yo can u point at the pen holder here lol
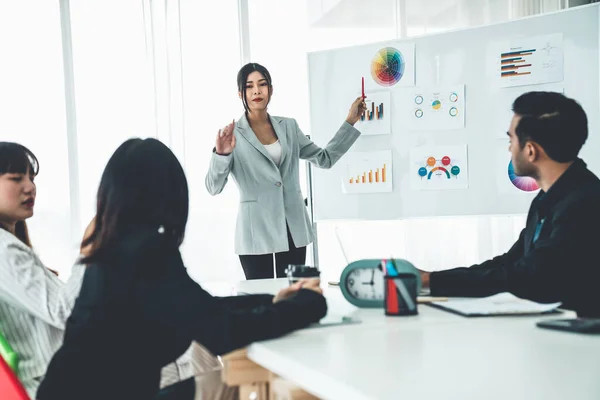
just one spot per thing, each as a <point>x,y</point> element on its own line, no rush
<point>296,272</point>
<point>400,294</point>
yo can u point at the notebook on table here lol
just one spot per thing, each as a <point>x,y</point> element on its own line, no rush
<point>498,304</point>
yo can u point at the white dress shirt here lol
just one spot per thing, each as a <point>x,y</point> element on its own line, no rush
<point>34,307</point>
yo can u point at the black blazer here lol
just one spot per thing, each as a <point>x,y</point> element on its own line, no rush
<point>563,264</point>
<point>139,310</point>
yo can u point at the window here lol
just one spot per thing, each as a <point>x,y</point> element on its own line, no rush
<point>32,106</point>
<point>113,87</point>
<point>210,60</point>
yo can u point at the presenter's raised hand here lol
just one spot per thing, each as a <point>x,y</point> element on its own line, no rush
<point>356,110</point>
<point>225,142</point>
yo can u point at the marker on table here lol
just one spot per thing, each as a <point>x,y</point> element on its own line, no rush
<point>363,87</point>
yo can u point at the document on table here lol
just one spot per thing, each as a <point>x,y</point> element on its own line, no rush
<point>498,304</point>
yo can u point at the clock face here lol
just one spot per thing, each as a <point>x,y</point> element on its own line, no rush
<point>365,284</point>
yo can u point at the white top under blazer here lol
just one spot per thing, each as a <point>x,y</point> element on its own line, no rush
<point>274,150</point>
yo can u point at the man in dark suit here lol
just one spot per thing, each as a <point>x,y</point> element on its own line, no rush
<point>555,258</point>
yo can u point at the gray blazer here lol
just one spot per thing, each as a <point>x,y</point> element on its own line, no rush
<point>270,195</point>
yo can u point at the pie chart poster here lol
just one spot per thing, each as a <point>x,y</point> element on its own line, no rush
<point>435,108</point>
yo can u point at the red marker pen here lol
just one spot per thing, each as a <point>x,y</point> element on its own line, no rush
<point>363,87</point>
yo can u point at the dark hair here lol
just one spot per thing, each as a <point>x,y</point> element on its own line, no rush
<point>143,186</point>
<point>557,123</point>
<point>18,159</point>
<point>242,78</point>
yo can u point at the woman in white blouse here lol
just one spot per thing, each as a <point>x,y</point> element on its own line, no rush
<point>34,303</point>
<point>263,153</point>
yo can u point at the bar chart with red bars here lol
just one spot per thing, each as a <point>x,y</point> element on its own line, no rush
<point>516,63</point>
<point>531,61</point>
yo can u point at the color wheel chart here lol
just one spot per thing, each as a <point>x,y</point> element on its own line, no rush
<point>524,183</point>
<point>387,67</point>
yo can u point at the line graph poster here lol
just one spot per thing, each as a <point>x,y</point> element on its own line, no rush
<point>531,61</point>
<point>437,108</point>
<point>376,120</point>
<point>439,168</point>
<point>368,172</point>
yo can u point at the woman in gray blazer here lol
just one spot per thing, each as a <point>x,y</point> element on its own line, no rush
<point>263,154</point>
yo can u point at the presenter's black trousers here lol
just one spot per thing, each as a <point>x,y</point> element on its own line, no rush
<point>260,266</point>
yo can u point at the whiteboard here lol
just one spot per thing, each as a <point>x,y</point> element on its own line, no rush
<point>469,58</point>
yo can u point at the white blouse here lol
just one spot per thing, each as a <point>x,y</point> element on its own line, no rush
<point>274,150</point>
<point>34,307</point>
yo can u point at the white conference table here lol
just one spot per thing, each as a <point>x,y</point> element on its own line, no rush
<point>430,356</point>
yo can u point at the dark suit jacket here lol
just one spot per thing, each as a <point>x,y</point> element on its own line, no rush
<point>139,310</point>
<point>563,264</point>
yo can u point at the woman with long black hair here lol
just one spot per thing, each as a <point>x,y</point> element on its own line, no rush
<point>34,303</point>
<point>138,309</point>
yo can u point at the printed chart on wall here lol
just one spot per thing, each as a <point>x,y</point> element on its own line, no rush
<point>367,172</point>
<point>376,118</point>
<point>391,66</point>
<point>531,61</point>
<point>503,104</point>
<point>437,108</point>
<point>507,180</point>
<point>439,168</point>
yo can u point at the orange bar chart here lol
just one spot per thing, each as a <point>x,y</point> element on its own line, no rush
<point>369,177</point>
<point>368,172</point>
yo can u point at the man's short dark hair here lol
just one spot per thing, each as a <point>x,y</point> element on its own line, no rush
<point>552,120</point>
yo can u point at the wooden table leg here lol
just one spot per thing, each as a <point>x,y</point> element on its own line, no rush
<point>256,382</point>
<point>252,379</point>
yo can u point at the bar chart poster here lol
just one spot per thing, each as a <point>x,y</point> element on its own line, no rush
<point>437,108</point>
<point>368,172</point>
<point>531,61</point>
<point>439,168</point>
<point>376,120</point>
